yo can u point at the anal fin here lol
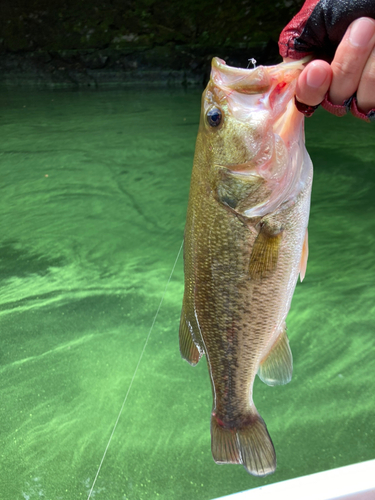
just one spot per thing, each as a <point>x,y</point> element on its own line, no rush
<point>277,367</point>
<point>190,350</point>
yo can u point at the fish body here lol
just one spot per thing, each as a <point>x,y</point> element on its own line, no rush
<point>245,244</point>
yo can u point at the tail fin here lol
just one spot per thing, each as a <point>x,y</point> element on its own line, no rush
<point>249,445</point>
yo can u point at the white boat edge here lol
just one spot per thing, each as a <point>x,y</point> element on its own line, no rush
<point>352,482</point>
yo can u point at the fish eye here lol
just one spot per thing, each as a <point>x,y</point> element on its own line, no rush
<point>214,117</point>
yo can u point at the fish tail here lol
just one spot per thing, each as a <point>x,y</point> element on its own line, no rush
<point>249,444</point>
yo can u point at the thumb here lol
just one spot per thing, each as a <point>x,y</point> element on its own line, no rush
<point>313,83</point>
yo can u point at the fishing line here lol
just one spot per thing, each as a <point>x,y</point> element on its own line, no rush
<point>135,373</point>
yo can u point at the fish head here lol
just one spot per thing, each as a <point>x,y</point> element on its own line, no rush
<point>249,122</point>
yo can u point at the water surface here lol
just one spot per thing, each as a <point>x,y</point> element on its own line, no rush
<point>93,196</point>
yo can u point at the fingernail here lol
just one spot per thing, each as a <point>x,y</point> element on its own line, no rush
<point>361,32</point>
<point>315,75</point>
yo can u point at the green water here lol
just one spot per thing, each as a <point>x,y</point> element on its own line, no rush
<point>93,195</point>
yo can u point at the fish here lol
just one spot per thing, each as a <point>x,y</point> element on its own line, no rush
<point>245,243</point>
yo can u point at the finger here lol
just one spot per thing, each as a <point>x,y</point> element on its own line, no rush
<point>313,83</point>
<point>366,88</point>
<point>350,59</point>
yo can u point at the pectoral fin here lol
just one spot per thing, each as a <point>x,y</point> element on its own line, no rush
<point>265,253</point>
<point>190,347</point>
<point>277,367</point>
<point>305,254</point>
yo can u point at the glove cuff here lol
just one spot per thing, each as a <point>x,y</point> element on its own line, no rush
<point>368,117</point>
<point>348,105</point>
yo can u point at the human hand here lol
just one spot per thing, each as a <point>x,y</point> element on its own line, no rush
<point>351,70</point>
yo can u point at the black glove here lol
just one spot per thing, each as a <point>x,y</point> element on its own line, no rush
<point>319,27</point>
<point>317,30</point>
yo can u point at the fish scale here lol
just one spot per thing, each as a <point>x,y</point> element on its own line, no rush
<point>244,248</point>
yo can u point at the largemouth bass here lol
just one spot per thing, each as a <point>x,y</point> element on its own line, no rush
<point>245,244</point>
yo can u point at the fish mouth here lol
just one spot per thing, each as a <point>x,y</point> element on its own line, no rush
<point>222,66</point>
<point>244,81</point>
<point>251,80</point>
